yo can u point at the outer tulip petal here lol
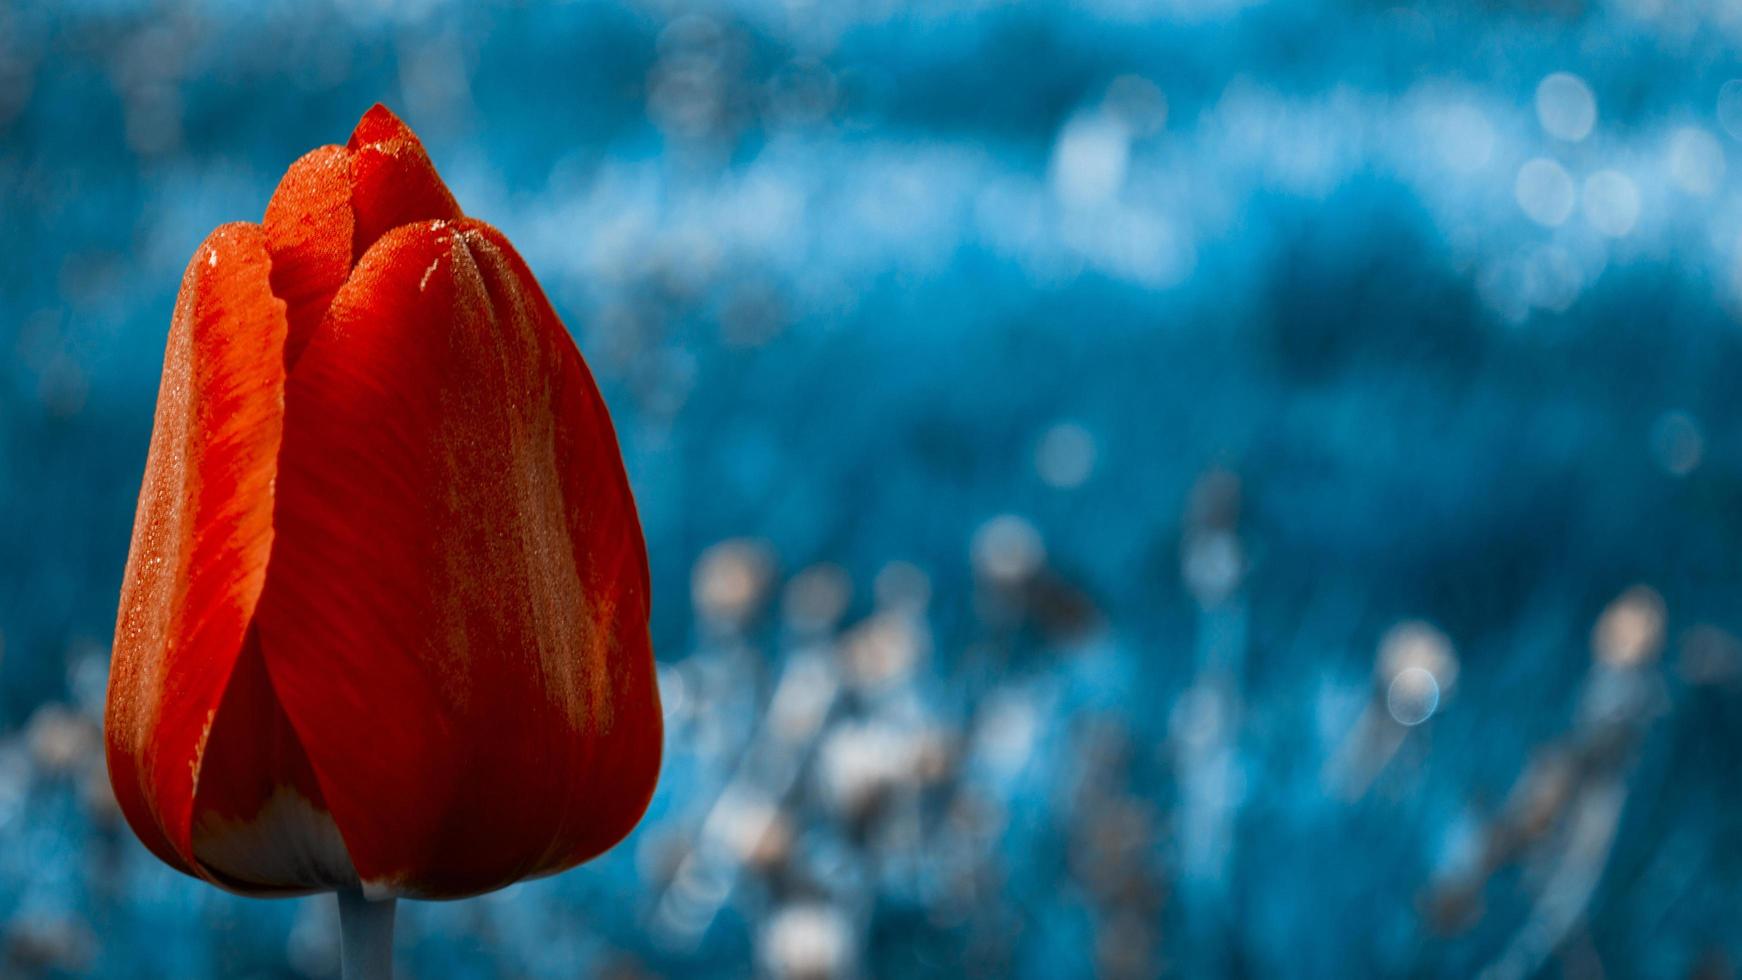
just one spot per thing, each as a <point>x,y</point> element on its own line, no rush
<point>201,537</point>
<point>601,809</point>
<point>393,182</point>
<point>456,616</point>
<point>309,230</point>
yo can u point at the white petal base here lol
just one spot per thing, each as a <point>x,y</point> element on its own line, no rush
<point>290,843</point>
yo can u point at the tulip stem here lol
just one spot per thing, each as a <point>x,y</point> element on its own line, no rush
<point>365,937</point>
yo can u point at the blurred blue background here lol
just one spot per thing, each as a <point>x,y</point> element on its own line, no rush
<point>1147,487</point>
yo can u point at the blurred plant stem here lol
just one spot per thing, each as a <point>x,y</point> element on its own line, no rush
<point>366,936</point>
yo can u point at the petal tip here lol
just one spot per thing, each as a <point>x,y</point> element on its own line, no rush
<point>393,182</point>
<point>379,125</point>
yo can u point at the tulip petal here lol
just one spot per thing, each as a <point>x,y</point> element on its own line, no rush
<point>456,616</point>
<point>332,205</point>
<point>614,569</point>
<point>309,229</point>
<point>393,182</point>
<point>202,535</point>
<point>260,825</point>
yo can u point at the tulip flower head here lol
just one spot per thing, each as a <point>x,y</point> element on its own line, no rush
<point>383,626</point>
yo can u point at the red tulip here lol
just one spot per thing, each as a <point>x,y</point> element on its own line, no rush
<point>384,619</point>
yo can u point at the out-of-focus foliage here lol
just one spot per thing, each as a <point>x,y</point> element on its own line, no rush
<point>1145,486</point>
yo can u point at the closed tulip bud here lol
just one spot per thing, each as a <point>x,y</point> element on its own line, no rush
<point>383,626</point>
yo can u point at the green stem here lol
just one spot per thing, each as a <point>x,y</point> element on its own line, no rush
<point>365,937</point>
